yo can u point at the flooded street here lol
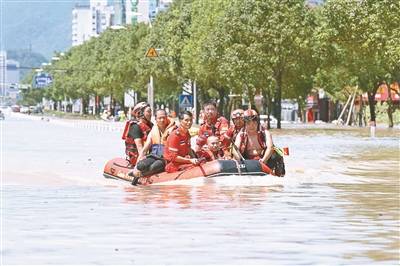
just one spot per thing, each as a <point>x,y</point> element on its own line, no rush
<point>338,204</point>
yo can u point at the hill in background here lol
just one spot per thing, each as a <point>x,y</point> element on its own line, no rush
<point>40,26</point>
<point>27,60</point>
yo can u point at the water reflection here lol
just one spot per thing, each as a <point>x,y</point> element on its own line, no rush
<point>375,203</point>
<point>206,197</point>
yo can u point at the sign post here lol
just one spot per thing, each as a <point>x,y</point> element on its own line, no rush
<point>150,93</point>
<point>151,53</point>
<point>195,102</point>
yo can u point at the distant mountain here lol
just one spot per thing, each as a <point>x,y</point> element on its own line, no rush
<point>42,26</point>
<point>27,60</point>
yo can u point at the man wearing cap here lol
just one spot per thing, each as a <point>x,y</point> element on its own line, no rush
<point>229,137</point>
<point>136,131</point>
<point>213,125</point>
<point>255,143</point>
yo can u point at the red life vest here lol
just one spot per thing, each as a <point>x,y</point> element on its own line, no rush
<point>229,136</point>
<point>244,138</point>
<point>207,130</point>
<point>130,146</point>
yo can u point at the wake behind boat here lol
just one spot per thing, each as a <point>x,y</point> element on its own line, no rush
<point>118,168</point>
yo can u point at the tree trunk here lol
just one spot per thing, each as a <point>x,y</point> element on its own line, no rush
<point>250,94</point>
<point>278,97</point>
<point>97,104</point>
<point>111,107</point>
<point>300,104</point>
<point>203,97</point>
<point>221,94</point>
<point>85,103</point>
<point>360,114</point>
<point>227,109</point>
<point>81,107</point>
<point>197,104</point>
<point>267,103</point>
<point>371,101</point>
<point>390,108</point>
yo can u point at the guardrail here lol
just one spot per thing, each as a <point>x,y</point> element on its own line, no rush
<point>86,124</point>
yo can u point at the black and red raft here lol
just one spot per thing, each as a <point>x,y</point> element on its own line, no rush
<point>119,168</point>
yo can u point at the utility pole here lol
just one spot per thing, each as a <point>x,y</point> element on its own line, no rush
<point>150,89</point>
<point>195,102</point>
<point>150,93</point>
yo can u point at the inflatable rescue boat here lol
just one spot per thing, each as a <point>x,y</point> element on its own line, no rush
<point>119,168</point>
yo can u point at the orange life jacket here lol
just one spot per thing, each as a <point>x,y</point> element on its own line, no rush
<point>244,138</point>
<point>229,137</point>
<point>130,146</point>
<point>214,130</point>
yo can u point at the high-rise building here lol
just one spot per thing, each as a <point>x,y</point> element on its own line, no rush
<point>131,11</point>
<point>90,20</point>
<point>119,12</point>
<point>102,16</point>
<point>144,10</point>
<point>81,24</point>
<point>9,76</point>
<point>3,72</point>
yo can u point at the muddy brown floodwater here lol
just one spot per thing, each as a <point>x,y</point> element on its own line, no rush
<point>338,204</point>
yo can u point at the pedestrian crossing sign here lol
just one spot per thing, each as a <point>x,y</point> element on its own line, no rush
<point>151,52</point>
<point>185,101</point>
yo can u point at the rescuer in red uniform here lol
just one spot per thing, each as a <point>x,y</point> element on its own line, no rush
<point>213,150</point>
<point>229,136</point>
<point>213,125</point>
<point>178,151</point>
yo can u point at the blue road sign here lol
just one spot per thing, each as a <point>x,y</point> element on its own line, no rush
<point>185,101</point>
<point>42,80</point>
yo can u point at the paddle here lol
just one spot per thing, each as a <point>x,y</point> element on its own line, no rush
<point>237,151</point>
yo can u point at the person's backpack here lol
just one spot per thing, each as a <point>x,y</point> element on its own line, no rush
<point>276,163</point>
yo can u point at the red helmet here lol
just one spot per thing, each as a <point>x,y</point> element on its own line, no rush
<point>250,114</point>
<point>138,110</point>
<point>238,113</point>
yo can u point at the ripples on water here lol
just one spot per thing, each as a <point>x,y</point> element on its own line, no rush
<point>338,204</point>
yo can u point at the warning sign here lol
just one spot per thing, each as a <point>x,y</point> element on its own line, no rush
<point>151,52</point>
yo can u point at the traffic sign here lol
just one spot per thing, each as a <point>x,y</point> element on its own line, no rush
<point>151,52</point>
<point>42,80</point>
<point>185,101</point>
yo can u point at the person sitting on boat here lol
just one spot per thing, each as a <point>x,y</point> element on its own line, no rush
<point>136,131</point>
<point>229,137</point>
<point>213,125</point>
<point>255,143</point>
<point>177,151</point>
<point>212,151</point>
<point>154,163</point>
